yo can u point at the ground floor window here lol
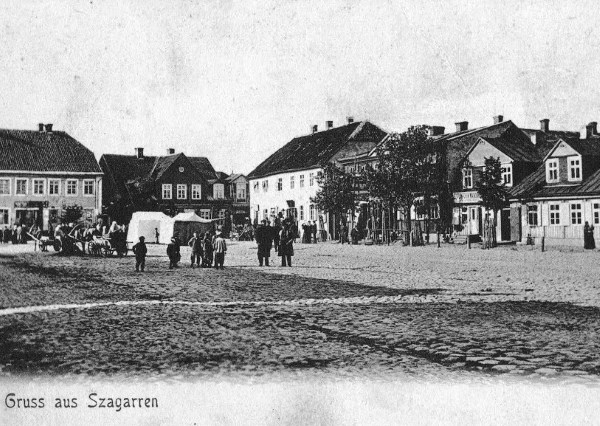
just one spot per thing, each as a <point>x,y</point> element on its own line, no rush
<point>554,214</point>
<point>4,217</point>
<point>596,213</point>
<point>204,213</point>
<point>464,215</point>
<point>576,214</point>
<point>301,212</point>
<point>532,215</point>
<point>313,212</point>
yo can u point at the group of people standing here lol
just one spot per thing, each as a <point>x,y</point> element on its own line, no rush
<point>309,232</point>
<point>15,235</point>
<point>268,237</point>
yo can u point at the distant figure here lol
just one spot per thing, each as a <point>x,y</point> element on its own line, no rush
<point>6,235</point>
<point>354,235</point>
<point>156,234</point>
<point>174,253</point>
<point>220,247</point>
<point>314,232</point>
<point>264,239</point>
<point>19,234</point>
<point>140,251</point>
<point>207,251</point>
<point>196,244</point>
<point>588,237</point>
<point>286,245</point>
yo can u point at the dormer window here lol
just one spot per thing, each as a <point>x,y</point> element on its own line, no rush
<point>552,170</point>
<point>218,191</point>
<point>507,174</point>
<point>467,178</point>
<point>574,168</point>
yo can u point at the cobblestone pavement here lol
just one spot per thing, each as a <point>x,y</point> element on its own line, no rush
<point>251,321</point>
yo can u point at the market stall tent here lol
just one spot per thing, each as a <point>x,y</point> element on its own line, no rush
<point>145,223</point>
<point>185,224</point>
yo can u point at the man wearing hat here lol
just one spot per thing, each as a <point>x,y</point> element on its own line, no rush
<point>140,251</point>
<point>220,248</point>
<point>173,253</point>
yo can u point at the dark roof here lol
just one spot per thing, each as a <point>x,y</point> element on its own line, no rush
<point>29,150</point>
<point>517,150</point>
<point>234,176</point>
<point>316,149</point>
<point>221,175</point>
<point>534,185</point>
<point>587,147</point>
<point>458,144</point>
<point>120,169</point>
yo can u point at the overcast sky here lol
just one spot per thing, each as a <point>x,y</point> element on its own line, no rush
<point>235,80</point>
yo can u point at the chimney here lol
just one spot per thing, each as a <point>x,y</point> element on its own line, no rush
<point>41,127</point>
<point>49,128</point>
<point>170,151</point>
<point>139,153</point>
<point>314,128</point>
<point>329,124</point>
<point>544,125</point>
<point>591,130</point>
<point>462,125</point>
<point>350,119</point>
<point>498,119</point>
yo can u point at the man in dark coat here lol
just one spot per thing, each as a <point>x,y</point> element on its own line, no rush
<point>174,253</point>
<point>140,251</point>
<point>264,239</point>
<point>314,231</point>
<point>207,251</point>
<point>286,245</point>
<point>196,244</point>
<point>588,237</point>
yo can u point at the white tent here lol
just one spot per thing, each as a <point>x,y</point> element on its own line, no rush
<point>190,217</point>
<point>143,224</point>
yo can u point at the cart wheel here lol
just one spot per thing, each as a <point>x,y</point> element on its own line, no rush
<point>107,251</point>
<point>56,245</point>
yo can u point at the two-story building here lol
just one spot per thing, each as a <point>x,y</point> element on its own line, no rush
<point>42,173</point>
<point>287,180</point>
<point>562,195</point>
<point>173,183</point>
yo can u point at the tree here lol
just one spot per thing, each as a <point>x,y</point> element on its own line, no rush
<point>493,195</point>
<point>336,193</point>
<point>410,165</point>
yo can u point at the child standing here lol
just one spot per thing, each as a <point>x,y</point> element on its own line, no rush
<point>140,251</point>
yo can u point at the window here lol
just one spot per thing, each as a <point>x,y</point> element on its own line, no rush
<point>181,191</point>
<point>218,191</point>
<point>205,213</point>
<point>301,212</point>
<point>222,214</point>
<point>464,215</point>
<point>467,178</point>
<point>554,214</point>
<point>4,186</point>
<point>196,191</point>
<point>576,214</point>
<point>279,184</point>
<point>532,215</point>
<point>21,186</point>
<point>255,186</point>
<point>301,181</point>
<point>71,187</point>
<point>39,186</point>
<point>552,170</point>
<point>311,179</point>
<point>265,214</point>
<point>313,212</point>
<point>506,170</point>
<point>596,213</point>
<point>88,187</point>
<point>240,194</point>
<point>292,182</point>
<point>54,187</point>
<point>3,216</point>
<point>574,169</point>
<point>265,185</point>
<point>167,193</point>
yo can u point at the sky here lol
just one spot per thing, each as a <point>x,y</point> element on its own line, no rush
<point>236,80</point>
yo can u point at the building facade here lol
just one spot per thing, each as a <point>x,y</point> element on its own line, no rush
<point>42,174</point>
<point>287,180</point>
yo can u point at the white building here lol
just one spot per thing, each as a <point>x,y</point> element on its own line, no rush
<point>287,180</point>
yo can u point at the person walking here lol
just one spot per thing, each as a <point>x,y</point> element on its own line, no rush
<point>588,237</point>
<point>196,244</point>
<point>207,250</point>
<point>264,239</point>
<point>174,253</point>
<point>140,250</point>
<point>156,234</point>
<point>286,245</point>
<point>220,250</point>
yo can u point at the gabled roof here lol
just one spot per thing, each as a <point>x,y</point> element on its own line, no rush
<point>315,150</point>
<point>27,150</point>
<point>162,164</point>
<point>534,185</point>
<point>516,150</point>
<point>585,147</point>
<point>203,165</point>
<point>234,176</point>
<point>221,175</point>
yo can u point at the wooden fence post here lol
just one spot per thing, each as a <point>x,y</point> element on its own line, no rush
<point>543,243</point>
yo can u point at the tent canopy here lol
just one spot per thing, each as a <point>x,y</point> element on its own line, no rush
<point>191,217</point>
<point>143,224</point>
